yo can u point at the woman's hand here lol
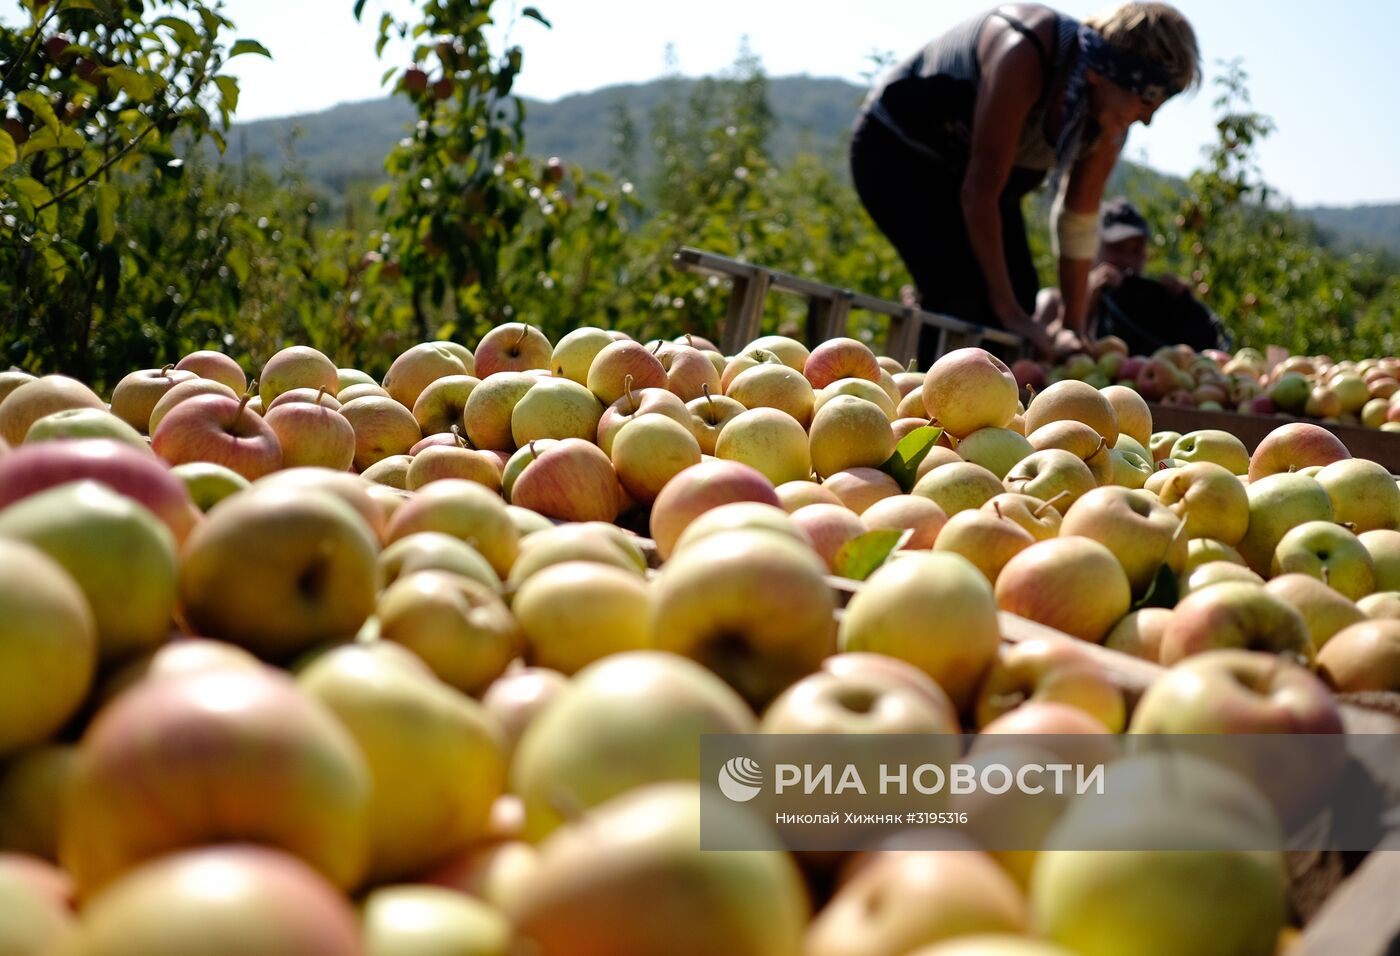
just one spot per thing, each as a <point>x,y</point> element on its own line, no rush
<point>1035,334</point>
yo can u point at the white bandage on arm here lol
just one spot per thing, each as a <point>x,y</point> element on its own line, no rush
<point>1073,235</point>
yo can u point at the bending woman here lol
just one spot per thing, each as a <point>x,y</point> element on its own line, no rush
<point>953,138</point>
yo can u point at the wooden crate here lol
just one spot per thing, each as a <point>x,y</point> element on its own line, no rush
<point>1378,446</point>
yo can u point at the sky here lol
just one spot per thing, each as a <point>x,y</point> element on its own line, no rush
<point>1325,73</point>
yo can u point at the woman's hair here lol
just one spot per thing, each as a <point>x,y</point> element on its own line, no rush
<point>1156,32</point>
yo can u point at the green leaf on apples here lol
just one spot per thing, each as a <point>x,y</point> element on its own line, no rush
<point>859,557</point>
<point>913,448</point>
<point>1164,591</point>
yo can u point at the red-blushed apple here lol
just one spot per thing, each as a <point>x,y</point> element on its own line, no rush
<point>984,539</point>
<point>33,399</point>
<point>860,488</point>
<point>1053,475</point>
<point>312,434</point>
<point>840,358</point>
<point>860,702</point>
<point>770,441</point>
<point>1028,374</point>
<point>465,510</point>
<point>520,695</point>
<point>445,461</point>
<point>958,486</point>
<point>48,646</point>
<point>1235,615</point>
<point>1154,379</point>
<point>218,429</point>
<point>1072,584</point>
<point>1139,634</point>
<point>566,761</point>
<point>12,379</point>
<point>1330,553</point>
<point>1036,517</point>
<point>607,883</point>
<point>315,396</point>
<point>968,389</point>
<point>903,900</point>
<point>935,611</point>
<point>615,363</point>
<point>135,474</point>
<point>751,605</point>
<point>311,578</point>
<point>1277,504</point>
<point>441,403</point>
<point>902,427</point>
<point>215,366</point>
<point>190,759</point>
<point>435,758</point>
<point>418,367</point>
<point>513,347</point>
<point>572,480</point>
<point>633,404</point>
<point>136,395</point>
<point>1294,446</point>
<point>577,612</point>
<point>907,513</point>
<point>298,366</point>
<point>690,373</point>
<point>1049,671</point>
<point>649,451</point>
<point>828,528</point>
<point>220,899</point>
<point>1075,401</point>
<point>383,428</point>
<point>1362,657</point>
<point>798,494</point>
<point>700,488</point>
<point>360,390</point>
<point>1143,535</point>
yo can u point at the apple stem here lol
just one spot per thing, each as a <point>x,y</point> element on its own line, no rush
<point>242,404</point>
<point>1030,394</point>
<point>996,506</point>
<point>524,331</point>
<point>689,341</point>
<point>165,370</point>
<point>1325,575</point>
<point>627,390</point>
<point>322,391</point>
<point>1049,504</point>
<point>913,365</point>
<point>251,390</point>
<point>457,434</point>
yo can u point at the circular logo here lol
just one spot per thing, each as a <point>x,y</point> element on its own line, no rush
<point>740,779</point>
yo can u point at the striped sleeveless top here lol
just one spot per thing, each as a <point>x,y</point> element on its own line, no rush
<point>928,100</point>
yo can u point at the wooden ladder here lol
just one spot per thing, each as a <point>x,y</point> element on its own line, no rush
<point>828,310</point>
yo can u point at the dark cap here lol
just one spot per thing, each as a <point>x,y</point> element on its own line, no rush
<point>1119,220</point>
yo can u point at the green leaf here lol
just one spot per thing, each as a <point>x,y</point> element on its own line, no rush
<point>535,14</point>
<point>8,155</point>
<point>44,139</point>
<point>241,47</point>
<point>359,8</point>
<point>913,448</point>
<point>58,265</point>
<point>184,32</point>
<point>228,89</point>
<point>107,199</point>
<point>1164,591</point>
<point>39,105</point>
<point>859,557</point>
<point>139,86</point>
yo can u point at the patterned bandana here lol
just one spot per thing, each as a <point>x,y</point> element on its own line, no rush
<point>1120,67</point>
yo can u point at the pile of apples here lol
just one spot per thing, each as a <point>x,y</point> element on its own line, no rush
<point>329,665</point>
<point>1360,393</point>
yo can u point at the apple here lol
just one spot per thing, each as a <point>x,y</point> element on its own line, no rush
<point>48,647</point>
<point>555,408</point>
<point>432,550</point>
<point>1201,551</point>
<point>215,366</point>
<point>312,434</point>
<point>690,374</point>
<point>218,429</point>
<point>770,441</point>
<point>118,554</point>
<point>1215,572</point>
<point>1028,374</point>
<point>192,758</point>
<point>12,379</point>
<point>1364,494</point>
<point>859,488</point>
<point>1161,444</point>
<point>354,376</point>
<point>1209,500</point>
<point>137,475</point>
<point>79,423</point>
<point>753,606</point>
<point>968,389</point>
<point>986,540</point>
<point>391,472</point>
<point>519,696</point>
<point>840,358</point>
<point>360,390</point>
<point>577,612</point>
<point>1213,445</point>
<point>457,626</point>
<point>1383,545</point>
<point>1053,475</point>
<point>1362,657</point>
<point>404,919</point>
<point>575,351</point>
<point>996,449</point>
<point>298,366</point>
<point>860,701</point>
<point>316,396</point>
<point>798,494</point>
<point>135,396</point>
<point>1293,446</point>
<point>936,611</point>
<point>828,528</point>
<point>708,416</point>
<point>741,516</point>
<point>490,409</point>
<point>1131,411</point>
<point>1073,584</point>
<point>418,367</point>
<point>1351,392</point>
<point>1076,401</point>
<point>513,347</point>
<point>636,403</point>
<point>789,351</point>
<point>1139,634</point>
<point>605,885</point>
<point>1277,504</point>
<point>435,758</point>
<point>649,451</point>
<point>572,480</point>
<point>1375,413</point>
<point>904,900</point>
<point>618,361</point>
<point>958,486</point>
<point>1330,553</point>
<point>773,386</point>
<point>1324,610</point>
<point>1038,518</point>
<point>1290,392</point>
<point>1049,671</point>
<point>587,747</point>
<point>593,541</point>
<point>738,364</point>
<point>442,401</point>
<point>697,490</point>
<point>847,432</point>
<point>1072,436</point>
<point>1236,615</point>
<point>1155,380</point>
<point>905,512</point>
<point>35,398</point>
<point>441,462</point>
